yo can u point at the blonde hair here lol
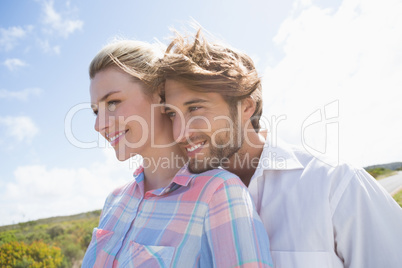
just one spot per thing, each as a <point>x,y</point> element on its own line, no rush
<point>133,57</point>
<point>212,67</point>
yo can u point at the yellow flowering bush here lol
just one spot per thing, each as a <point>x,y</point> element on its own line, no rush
<point>36,255</point>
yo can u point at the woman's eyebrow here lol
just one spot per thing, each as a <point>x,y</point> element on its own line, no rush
<point>108,94</point>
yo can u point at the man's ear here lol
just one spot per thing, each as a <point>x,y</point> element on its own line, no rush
<point>162,105</point>
<point>160,98</point>
<point>248,107</point>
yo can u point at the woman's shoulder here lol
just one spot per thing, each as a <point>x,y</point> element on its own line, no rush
<point>119,196</point>
<point>129,186</point>
<point>123,189</point>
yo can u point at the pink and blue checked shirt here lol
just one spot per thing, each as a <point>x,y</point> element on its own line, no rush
<point>198,220</point>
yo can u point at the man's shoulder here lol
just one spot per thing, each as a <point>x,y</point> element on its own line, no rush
<point>287,157</point>
<point>324,166</point>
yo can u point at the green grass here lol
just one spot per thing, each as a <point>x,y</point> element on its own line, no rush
<point>398,198</point>
<point>381,173</point>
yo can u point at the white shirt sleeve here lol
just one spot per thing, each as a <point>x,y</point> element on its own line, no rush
<point>367,224</point>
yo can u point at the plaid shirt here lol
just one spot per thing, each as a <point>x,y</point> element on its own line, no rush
<point>198,220</point>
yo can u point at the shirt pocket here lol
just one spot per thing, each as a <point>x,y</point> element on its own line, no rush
<point>145,256</point>
<point>293,259</point>
<point>97,253</point>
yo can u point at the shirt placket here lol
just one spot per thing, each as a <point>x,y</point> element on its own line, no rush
<point>135,202</point>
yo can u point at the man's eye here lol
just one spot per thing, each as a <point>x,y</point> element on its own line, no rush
<point>195,108</point>
<point>112,105</point>
<point>171,114</point>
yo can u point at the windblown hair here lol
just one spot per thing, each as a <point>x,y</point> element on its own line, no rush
<point>133,57</point>
<point>212,67</point>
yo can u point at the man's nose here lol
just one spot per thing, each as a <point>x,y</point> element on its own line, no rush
<point>180,130</point>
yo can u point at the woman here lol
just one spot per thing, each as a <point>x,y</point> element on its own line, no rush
<point>166,216</point>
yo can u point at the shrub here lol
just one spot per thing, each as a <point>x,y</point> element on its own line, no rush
<point>55,231</point>
<point>38,254</point>
<point>7,237</point>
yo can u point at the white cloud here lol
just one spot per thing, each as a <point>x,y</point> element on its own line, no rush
<point>21,128</point>
<point>10,37</point>
<point>22,95</point>
<point>54,22</point>
<point>37,191</point>
<point>353,55</point>
<point>14,64</point>
<point>47,48</point>
<point>59,24</point>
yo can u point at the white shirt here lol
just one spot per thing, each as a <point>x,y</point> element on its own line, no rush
<point>320,216</point>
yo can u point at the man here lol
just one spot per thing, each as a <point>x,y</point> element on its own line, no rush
<point>315,215</point>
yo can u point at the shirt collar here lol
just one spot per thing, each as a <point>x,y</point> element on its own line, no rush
<point>278,155</point>
<point>182,178</point>
<point>139,174</point>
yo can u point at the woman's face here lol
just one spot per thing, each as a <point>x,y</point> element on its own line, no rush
<point>123,112</point>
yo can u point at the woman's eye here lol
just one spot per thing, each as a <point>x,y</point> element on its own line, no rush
<point>112,105</point>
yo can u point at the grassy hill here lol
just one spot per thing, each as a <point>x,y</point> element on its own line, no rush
<point>68,235</point>
<point>391,166</point>
<point>384,170</point>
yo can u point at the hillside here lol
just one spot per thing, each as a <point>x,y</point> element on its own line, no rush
<point>53,220</point>
<point>391,166</point>
<point>62,241</point>
<point>384,170</point>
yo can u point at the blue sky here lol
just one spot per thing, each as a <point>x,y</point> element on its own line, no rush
<point>331,74</point>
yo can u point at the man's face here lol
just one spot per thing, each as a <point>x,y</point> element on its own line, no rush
<point>203,126</point>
